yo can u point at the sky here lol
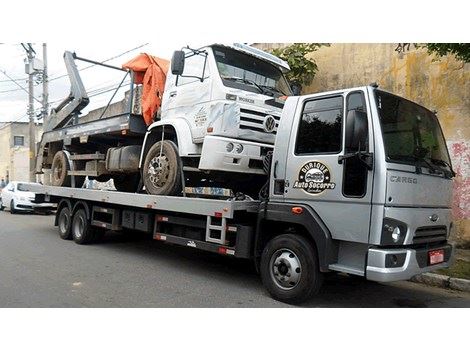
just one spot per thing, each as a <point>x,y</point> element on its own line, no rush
<point>14,101</point>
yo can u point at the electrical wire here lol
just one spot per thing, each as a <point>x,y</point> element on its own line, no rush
<point>84,68</point>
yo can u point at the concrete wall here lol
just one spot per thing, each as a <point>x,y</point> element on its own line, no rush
<point>14,160</point>
<point>442,85</point>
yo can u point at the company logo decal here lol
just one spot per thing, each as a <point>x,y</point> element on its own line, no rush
<point>269,123</point>
<point>314,178</point>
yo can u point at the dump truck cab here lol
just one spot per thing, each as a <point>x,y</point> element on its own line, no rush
<point>374,167</point>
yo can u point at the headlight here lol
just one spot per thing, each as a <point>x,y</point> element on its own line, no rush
<point>393,232</point>
<point>229,147</point>
<point>238,148</point>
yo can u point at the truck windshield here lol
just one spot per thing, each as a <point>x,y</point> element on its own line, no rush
<point>411,134</point>
<point>242,71</point>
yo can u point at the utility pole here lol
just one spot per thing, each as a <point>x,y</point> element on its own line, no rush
<point>45,86</point>
<point>32,130</point>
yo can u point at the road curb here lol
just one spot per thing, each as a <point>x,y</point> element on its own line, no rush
<point>442,281</point>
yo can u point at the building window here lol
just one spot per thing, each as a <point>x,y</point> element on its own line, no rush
<point>18,141</point>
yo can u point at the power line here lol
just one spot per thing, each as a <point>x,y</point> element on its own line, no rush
<point>21,88</point>
<point>84,68</point>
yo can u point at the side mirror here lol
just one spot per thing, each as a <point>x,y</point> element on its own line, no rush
<point>177,63</point>
<point>356,131</point>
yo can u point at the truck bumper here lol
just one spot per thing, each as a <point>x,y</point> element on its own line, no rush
<point>221,154</point>
<point>386,264</point>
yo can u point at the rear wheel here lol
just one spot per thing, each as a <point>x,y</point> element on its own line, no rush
<point>82,231</point>
<point>289,269</point>
<point>162,169</point>
<point>59,172</point>
<point>64,221</point>
<point>126,182</point>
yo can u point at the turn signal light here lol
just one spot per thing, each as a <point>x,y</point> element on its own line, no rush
<point>297,210</point>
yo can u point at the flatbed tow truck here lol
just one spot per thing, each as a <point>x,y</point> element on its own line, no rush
<point>359,181</point>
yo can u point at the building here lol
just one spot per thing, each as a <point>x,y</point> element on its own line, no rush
<point>14,150</point>
<point>401,68</point>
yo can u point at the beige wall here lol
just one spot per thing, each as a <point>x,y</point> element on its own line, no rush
<point>442,85</point>
<point>14,161</point>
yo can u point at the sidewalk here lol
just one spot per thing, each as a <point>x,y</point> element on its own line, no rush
<point>457,277</point>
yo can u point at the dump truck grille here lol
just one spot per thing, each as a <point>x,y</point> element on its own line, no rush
<point>430,234</point>
<point>256,121</point>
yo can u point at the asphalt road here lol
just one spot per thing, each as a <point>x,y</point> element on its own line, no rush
<point>38,269</point>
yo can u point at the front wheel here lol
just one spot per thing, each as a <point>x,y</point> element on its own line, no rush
<point>289,269</point>
<point>1,205</point>
<point>12,207</point>
<point>162,169</point>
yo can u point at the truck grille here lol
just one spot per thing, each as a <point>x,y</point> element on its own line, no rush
<point>430,234</point>
<point>254,120</point>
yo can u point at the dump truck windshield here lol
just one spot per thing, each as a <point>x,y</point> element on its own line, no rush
<point>411,133</point>
<point>242,71</point>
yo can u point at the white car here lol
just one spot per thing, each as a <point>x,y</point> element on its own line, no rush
<point>15,198</point>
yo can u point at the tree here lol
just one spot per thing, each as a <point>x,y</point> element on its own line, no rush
<point>303,69</point>
<point>460,50</point>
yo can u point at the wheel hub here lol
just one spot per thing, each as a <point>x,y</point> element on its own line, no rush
<point>285,269</point>
<point>159,170</point>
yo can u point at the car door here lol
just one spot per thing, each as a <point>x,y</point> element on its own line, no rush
<point>316,174</point>
<point>7,194</point>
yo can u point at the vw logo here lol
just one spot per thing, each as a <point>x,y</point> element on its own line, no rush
<point>434,217</point>
<point>269,123</point>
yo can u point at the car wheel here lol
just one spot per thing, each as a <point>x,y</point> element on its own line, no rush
<point>12,207</point>
<point>1,205</point>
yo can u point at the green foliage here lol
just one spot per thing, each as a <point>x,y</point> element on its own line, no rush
<point>303,69</point>
<point>460,50</point>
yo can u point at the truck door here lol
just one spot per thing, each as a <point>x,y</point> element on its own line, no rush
<point>317,174</point>
<point>191,94</point>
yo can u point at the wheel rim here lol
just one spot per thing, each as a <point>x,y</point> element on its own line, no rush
<point>285,269</point>
<point>57,170</point>
<point>159,170</point>
<point>64,222</point>
<point>79,226</point>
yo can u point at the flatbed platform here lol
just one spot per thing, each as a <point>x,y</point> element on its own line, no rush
<point>188,205</point>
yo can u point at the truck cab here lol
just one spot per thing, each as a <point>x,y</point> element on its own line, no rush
<point>373,169</point>
<point>221,107</point>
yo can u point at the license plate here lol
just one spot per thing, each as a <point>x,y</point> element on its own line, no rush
<point>436,257</point>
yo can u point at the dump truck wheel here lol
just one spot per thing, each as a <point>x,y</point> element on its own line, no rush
<point>162,169</point>
<point>126,182</point>
<point>64,223</point>
<point>59,172</point>
<point>289,269</point>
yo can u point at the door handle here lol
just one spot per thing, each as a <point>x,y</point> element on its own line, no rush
<point>275,169</point>
<point>172,94</point>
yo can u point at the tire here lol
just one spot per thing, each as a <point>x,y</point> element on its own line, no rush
<point>162,176</point>
<point>127,182</point>
<point>64,223</point>
<point>300,277</point>
<point>1,205</point>
<point>12,207</point>
<point>59,172</point>
<point>82,231</point>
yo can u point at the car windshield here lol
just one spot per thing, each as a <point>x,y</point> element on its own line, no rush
<point>242,71</point>
<point>22,187</point>
<point>411,133</point>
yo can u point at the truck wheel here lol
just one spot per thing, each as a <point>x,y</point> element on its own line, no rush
<point>162,169</point>
<point>126,182</point>
<point>59,172</point>
<point>82,231</point>
<point>12,207</point>
<point>64,221</point>
<point>289,269</point>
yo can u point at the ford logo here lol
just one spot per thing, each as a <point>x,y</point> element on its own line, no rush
<point>434,217</point>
